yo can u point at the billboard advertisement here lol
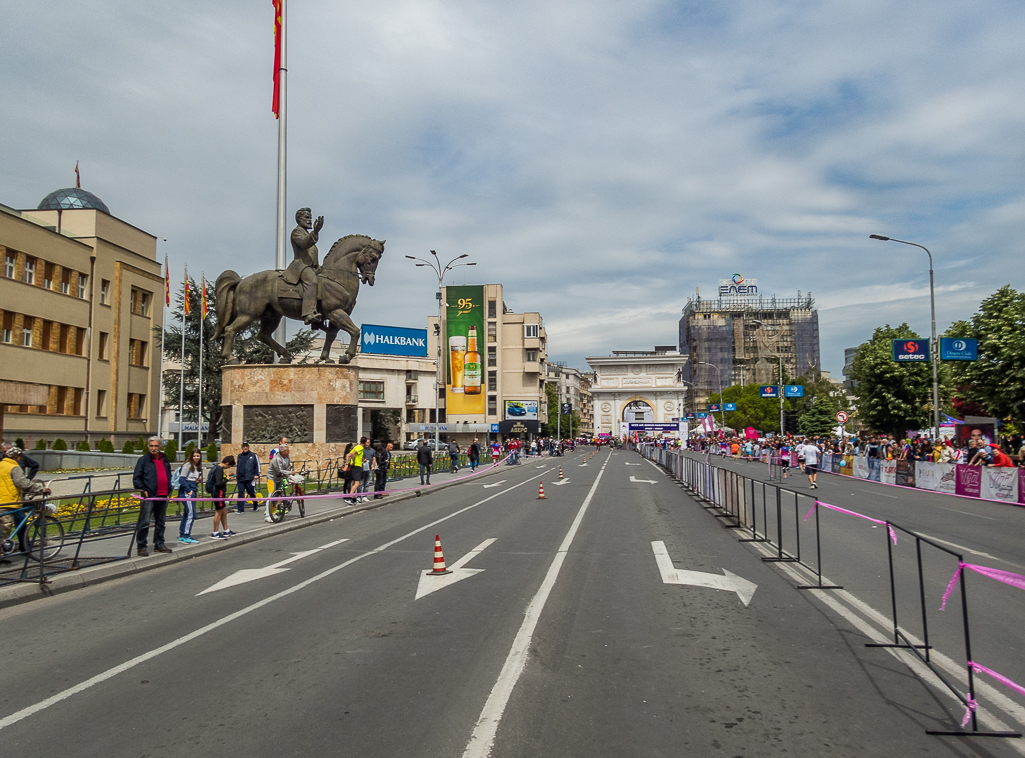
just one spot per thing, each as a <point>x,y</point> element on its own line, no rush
<point>793,390</point>
<point>521,410</point>
<point>730,406</point>
<point>393,340</point>
<point>464,331</point>
<point>910,350</point>
<point>768,390</point>
<point>959,349</point>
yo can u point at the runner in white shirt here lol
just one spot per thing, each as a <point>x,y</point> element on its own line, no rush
<point>811,454</point>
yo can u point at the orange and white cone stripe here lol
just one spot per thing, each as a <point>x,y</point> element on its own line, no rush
<point>560,472</point>
<point>439,557</point>
<point>541,491</point>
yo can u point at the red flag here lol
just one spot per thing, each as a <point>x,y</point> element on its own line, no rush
<point>167,283</point>
<point>204,297</point>
<point>275,104</point>
<point>188,301</point>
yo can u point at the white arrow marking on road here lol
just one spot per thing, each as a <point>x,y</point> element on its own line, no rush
<point>582,465</point>
<point>429,584</point>
<point>642,481</point>
<point>633,464</point>
<point>489,486</point>
<point>248,575</point>
<point>730,582</point>
<point>561,482</point>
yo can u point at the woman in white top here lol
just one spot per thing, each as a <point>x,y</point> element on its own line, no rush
<point>190,475</point>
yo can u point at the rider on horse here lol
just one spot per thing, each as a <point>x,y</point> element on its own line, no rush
<point>303,269</point>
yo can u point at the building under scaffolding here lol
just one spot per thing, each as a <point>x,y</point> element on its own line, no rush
<point>744,338</point>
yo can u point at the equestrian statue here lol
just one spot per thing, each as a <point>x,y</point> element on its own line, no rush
<point>321,296</point>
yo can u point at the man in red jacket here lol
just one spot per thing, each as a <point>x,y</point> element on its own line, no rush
<point>152,478</point>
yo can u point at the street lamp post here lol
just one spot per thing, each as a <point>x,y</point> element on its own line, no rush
<point>934,348</point>
<point>440,271</point>
<point>780,356</point>
<point>722,404</point>
<point>679,397</point>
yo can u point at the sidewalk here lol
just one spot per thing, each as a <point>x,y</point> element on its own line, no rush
<point>249,526</point>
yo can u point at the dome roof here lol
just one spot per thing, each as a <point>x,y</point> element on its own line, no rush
<point>72,198</point>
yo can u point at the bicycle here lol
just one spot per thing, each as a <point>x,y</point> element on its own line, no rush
<point>283,506</point>
<point>44,540</point>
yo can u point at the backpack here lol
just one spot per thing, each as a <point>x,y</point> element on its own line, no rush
<point>176,478</point>
<point>210,481</point>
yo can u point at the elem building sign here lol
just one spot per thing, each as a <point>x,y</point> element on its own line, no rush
<point>738,285</point>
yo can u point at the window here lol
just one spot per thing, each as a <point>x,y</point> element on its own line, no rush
<point>76,402</point>
<point>530,330</point>
<point>62,399</point>
<point>10,265</point>
<point>492,309</point>
<point>66,282</point>
<point>137,352</point>
<point>30,271</point>
<point>79,341</point>
<point>48,276</point>
<point>492,357</point>
<point>136,405</point>
<point>492,405</point>
<point>103,346</point>
<point>492,333</point>
<point>26,331</point>
<point>492,381</point>
<point>101,403</point>
<point>104,291</point>
<point>8,333</point>
<point>82,279</point>
<point>371,390</point>
<point>531,356</point>
<point>140,302</point>
<point>47,335</point>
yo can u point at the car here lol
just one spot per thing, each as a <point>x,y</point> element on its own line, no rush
<point>515,409</point>
<point>414,444</point>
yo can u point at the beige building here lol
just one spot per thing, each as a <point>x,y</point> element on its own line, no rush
<point>80,294</point>
<point>514,353</point>
<point>573,386</point>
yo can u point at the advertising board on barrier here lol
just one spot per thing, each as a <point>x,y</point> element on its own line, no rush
<point>905,473</point>
<point>888,472</point>
<point>999,484</point>
<point>652,426</point>
<point>969,480</point>
<point>393,340</point>
<point>464,328</point>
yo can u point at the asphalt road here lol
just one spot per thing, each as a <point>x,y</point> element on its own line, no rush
<point>566,641</point>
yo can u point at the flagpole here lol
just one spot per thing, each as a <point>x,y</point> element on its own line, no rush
<point>181,373</point>
<point>202,318</point>
<point>160,387</point>
<point>280,251</point>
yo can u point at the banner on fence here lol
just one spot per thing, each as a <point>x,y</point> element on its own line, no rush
<point>906,473</point>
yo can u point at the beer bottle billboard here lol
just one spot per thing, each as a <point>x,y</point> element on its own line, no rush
<point>464,370</point>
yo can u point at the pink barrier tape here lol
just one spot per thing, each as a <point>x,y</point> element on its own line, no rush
<point>893,534</point>
<point>1007,577</point>
<point>335,495</point>
<point>972,705</point>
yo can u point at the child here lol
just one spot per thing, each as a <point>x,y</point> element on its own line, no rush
<point>190,475</point>
<point>217,486</point>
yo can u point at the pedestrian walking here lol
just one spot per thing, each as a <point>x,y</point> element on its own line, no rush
<point>811,454</point>
<point>496,451</point>
<point>152,477</point>
<point>453,454</point>
<point>247,471</point>
<point>382,460</point>
<point>473,455</point>
<point>190,474</point>
<point>425,459</point>
<point>217,487</point>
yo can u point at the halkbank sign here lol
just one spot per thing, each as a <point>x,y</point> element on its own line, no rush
<point>393,340</point>
<point>738,285</point>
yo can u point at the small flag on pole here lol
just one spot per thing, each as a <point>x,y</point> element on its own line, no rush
<point>188,303</point>
<point>275,104</point>
<point>204,296</point>
<point>167,283</point>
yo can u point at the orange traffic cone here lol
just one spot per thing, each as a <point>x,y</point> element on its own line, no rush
<point>560,472</point>
<point>439,559</point>
<point>541,491</point>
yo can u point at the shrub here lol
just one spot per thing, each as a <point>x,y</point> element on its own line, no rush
<point>189,448</point>
<point>60,444</point>
<point>128,448</point>
<point>83,447</point>
<point>141,445</point>
<point>19,443</point>
<point>211,452</point>
<point>40,444</point>
<point>171,450</point>
<point>105,446</point>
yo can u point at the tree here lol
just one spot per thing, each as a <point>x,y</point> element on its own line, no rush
<point>753,410</point>
<point>995,382</point>
<point>892,397</point>
<point>820,419</point>
<point>248,349</point>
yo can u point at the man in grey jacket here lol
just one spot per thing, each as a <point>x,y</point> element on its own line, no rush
<point>278,471</point>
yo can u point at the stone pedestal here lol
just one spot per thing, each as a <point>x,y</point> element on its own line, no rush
<point>314,406</point>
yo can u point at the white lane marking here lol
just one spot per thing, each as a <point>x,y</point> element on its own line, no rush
<point>248,575</point>
<point>729,581</point>
<point>581,465</point>
<point>332,544</point>
<point>489,486</point>
<point>24,713</point>
<point>967,549</point>
<point>482,740</point>
<point>632,464</point>
<point>561,482</point>
<point>642,481</point>
<point>965,513</point>
<point>429,583</point>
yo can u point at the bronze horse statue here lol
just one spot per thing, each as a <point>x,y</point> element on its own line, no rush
<point>264,296</point>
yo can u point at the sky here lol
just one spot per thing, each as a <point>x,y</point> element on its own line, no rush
<point>602,160</point>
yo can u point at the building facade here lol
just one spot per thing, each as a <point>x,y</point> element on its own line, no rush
<point>80,294</point>
<point>574,387</point>
<point>637,387</point>
<point>740,339</point>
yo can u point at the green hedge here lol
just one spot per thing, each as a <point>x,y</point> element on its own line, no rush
<point>60,444</point>
<point>105,446</point>
<point>40,444</point>
<point>129,448</point>
<point>211,452</point>
<point>83,447</point>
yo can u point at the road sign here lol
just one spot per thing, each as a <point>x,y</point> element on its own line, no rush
<point>910,350</point>
<point>730,406</point>
<point>768,390</point>
<point>959,349</point>
<point>691,416</point>
<point>713,407</point>
<point>793,390</point>
<point>702,414</point>
<point>565,408</point>
<point>494,428</point>
<point>841,416</point>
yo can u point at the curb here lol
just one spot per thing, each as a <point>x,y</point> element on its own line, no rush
<point>76,579</point>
